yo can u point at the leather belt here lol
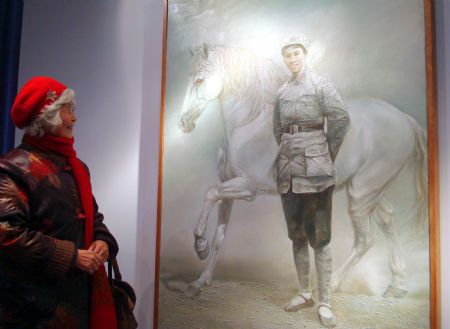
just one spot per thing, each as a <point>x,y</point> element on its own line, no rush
<point>293,128</point>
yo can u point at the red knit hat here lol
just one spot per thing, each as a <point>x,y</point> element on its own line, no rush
<point>32,99</point>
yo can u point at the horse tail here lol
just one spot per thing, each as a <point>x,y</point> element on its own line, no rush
<point>421,173</point>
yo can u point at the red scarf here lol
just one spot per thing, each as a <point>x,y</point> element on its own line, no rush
<point>102,310</point>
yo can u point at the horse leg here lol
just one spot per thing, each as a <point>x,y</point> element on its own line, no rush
<point>235,188</point>
<point>385,217</point>
<point>194,288</point>
<point>201,242</point>
<point>363,238</point>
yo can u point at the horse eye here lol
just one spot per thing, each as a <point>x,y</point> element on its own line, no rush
<point>199,81</point>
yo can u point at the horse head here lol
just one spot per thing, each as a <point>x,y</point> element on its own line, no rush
<point>205,85</point>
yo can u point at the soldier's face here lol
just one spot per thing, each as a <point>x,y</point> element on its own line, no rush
<point>294,57</point>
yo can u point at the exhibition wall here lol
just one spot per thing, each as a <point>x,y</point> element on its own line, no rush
<point>97,48</point>
<point>109,52</point>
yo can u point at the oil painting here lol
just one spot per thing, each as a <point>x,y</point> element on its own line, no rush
<point>294,170</point>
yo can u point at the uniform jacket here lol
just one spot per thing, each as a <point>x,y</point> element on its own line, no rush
<point>41,229</point>
<point>306,158</point>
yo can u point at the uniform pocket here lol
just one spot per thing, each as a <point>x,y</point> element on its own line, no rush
<point>318,160</point>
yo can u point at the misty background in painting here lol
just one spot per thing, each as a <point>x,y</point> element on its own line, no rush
<point>366,49</point>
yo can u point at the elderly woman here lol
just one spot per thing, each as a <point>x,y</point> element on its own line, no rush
<point>53,242</point>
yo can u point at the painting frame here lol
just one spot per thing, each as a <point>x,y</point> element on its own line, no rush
<point>432,159</point>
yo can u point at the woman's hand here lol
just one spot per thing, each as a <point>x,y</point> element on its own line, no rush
<point>88,261</point>
<point>101,248</point>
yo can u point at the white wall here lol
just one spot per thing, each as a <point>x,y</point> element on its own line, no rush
<point>109,51</point>
<point>97,48</point>
<point>149,156</point>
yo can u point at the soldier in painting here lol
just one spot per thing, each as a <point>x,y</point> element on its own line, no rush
<point>305,172</point>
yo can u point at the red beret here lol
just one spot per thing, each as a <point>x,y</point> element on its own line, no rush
<point>33,97</point>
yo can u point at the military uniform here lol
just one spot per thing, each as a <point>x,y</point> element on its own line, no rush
<point>309,123</point>
<point>306,152</point>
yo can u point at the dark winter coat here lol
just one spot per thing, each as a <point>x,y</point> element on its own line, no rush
<point>41,229</point>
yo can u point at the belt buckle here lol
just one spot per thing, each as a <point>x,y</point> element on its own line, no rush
<point>293,129</point>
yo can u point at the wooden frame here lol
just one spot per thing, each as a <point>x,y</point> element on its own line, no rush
<point>433,165</point>
<point>432,156</point>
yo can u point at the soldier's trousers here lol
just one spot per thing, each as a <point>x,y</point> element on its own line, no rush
<point>308,216</point>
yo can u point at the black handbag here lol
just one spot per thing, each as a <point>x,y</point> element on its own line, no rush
<point>124,297</point>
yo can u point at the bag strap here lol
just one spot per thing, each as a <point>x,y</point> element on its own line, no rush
<point>113,268</point>
<point>110,277</point>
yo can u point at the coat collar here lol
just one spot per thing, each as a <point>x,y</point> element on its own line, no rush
<point>300,77</point>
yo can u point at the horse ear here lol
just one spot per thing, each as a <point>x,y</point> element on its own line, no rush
<point>191,50</point>
<point>205,50</point>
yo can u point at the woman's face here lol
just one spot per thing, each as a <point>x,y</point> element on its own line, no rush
<point>294,57</point>
<point>68,119</point>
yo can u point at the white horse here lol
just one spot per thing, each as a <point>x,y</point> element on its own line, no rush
<point>378,144</point>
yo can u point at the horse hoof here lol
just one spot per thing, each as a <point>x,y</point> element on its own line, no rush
<point>395,292</point>
<point>202,248</point>
<point>193,290</point>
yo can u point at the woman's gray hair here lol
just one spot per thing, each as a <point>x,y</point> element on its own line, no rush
<point>50,119</point>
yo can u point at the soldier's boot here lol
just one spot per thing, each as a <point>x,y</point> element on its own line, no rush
<point>324,271</point>
<point>304,297</point>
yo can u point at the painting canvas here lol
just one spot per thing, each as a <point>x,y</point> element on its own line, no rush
<point>224,256</point>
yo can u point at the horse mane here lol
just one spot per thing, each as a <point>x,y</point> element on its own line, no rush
<point>249,82</point>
